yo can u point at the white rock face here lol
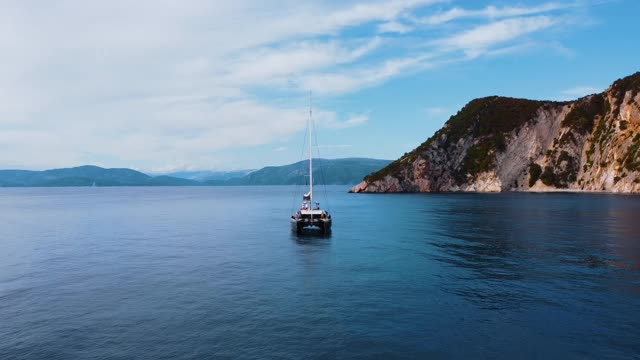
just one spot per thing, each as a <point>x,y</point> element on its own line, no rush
<point>485,182</point>
<point>388,184</point>
<point>570,157</point>
<point>531,142</point>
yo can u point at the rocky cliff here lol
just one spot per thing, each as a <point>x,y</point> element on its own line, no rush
<point>503,144</point>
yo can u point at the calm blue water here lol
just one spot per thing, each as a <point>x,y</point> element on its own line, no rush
<point>192,273</point>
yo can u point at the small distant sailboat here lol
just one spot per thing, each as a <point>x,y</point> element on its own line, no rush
<point>94,184</point>
<point>310,216</point>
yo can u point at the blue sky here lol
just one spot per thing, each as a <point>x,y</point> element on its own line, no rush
<point>162,86</point>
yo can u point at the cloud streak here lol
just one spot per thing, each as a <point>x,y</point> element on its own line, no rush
<point>492,12</point>
<point>578,92</point>
<point>479,39</point>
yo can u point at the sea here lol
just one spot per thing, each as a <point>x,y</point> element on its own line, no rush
<point>216,273</point>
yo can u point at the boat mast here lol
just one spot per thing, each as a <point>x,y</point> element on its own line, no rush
<point>310,160</point>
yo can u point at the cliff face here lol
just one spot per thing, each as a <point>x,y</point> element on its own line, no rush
<point>503,144</point>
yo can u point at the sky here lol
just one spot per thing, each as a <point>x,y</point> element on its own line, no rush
<point>163,86</point>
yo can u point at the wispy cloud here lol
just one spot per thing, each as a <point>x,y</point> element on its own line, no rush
<point>333,147</point>
<point>436,111</point>
<point>348,80</point>
<point>578,92</point>
<point>394,27</point>
<point>492,12</point>
<point>281,63</point>
<point>365,12</point>
<point>481,38</point>
<point>330,120</point>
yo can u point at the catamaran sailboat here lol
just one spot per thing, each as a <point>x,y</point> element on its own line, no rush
<point>310,216</point>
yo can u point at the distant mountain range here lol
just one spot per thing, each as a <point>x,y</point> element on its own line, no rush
<point>336,172</point>
<point>87,176</point>
<point>210,175</point>
<point>325,171</point>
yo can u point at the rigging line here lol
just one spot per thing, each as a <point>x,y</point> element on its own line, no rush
<point>300,181</point>
<point>322,176</point>
<point>298,184</point>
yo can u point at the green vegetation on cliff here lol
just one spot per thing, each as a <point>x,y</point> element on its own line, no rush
<point>583,115</point>
<point>548,177</point>
<point>491,116</point>
<point>487,119</point>
<point>632,158</point>
<point>407,158</point>
<point>621,86</point>
<point>535,171</point>
<point>559,173</point>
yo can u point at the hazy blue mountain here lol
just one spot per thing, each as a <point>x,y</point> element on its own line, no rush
<point>332,172</point>
<point>165,180</point>
<point>210,175</point>
<point>86,176</point>
<point>325,171</point>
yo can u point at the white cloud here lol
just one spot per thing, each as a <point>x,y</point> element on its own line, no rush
<point>479,39</point>
<point>279,64</point>
<point>394,27</point>
<point>335,147</point>
<point>512,49</point>
<point>151,84</point>
<point>491,12</point>
<point>329,120</point>
<point>348,80</point>
<point>365,12</point>
<point>436,111</point>
<point>578,92</point>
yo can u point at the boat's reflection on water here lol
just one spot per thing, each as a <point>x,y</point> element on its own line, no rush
<point>313,249</point>
<point>311,237</point>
